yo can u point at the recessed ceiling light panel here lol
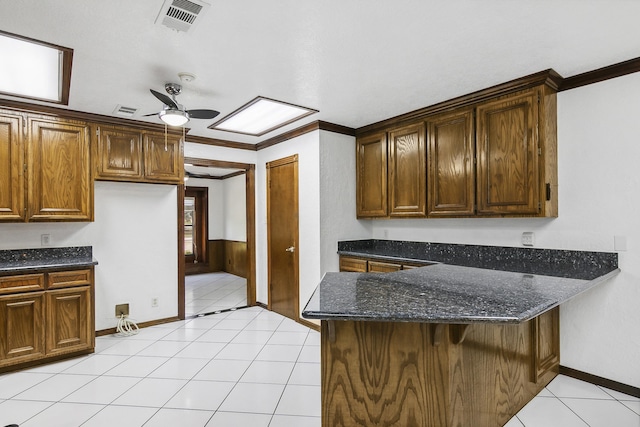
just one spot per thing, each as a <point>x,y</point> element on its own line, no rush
<point>34,69</point>
<point>260,116</point>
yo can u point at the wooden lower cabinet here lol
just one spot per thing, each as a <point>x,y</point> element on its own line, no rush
<point>364,265</point>
<point>429,375</point>
<point>68,324</point>
<point>42,320</point>
<point>22,335</point>
<point>383,267</point>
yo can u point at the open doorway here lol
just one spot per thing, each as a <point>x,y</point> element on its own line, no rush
<point>217,272</point>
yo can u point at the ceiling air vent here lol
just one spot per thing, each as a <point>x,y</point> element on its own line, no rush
<point>121,110</point>
<point>181,15</point>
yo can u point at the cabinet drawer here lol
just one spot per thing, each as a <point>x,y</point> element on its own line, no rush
<point>353,265</point>
<point>66,279</point>
<point>383,267</point>
<point>22,283</point>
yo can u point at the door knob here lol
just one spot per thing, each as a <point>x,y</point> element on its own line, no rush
<point>291,249</point>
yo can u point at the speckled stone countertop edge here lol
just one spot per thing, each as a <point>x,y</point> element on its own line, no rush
<point>19,261</point>
<point>59,264</point>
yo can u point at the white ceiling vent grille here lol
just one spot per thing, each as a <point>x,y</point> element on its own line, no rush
<point>181,15</point>
<point>121,110</point>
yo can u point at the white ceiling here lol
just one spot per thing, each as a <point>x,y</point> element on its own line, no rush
<point>356,61</point>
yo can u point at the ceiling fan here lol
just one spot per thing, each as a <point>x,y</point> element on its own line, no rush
<point>174,114</point>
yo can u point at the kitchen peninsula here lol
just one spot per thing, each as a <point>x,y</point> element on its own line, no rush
<point>446,344</point>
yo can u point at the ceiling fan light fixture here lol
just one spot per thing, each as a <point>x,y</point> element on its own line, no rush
<point>174,117</point>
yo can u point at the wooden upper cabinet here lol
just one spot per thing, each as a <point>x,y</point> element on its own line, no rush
<point>163,157</point>
<point>60,185</point>
<point>507,152</point>
<point>371,176</point>
<point>118,154</point>
<point>407,171</point>
<point>11,167</point>
<point>451,175</point>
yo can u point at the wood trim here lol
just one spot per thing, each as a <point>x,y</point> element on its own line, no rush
<point>548,77</point>
<point>601,74</point>
<point>181,262</point>
<point>250,205</point>
<point>603,382</point>
<point>217,163</point>
<point>310,127</point>
<point>86,117</point>
<point>231,175</point>
<point>285,160</point>
<point>262,305</point>
<point>309,324</point>
<point>111,331</point>
<point>221,142</point>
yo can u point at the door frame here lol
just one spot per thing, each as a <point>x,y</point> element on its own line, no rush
<point>202,224</point>
<point>250,193</point>
<point>296,262</point>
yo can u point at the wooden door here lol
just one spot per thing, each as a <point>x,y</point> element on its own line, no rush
<point>60,185</point>
<point>22,331</point>
<point>371,176</point>
<point>68,320</point>
<point>282,236</point>
<point>507,150</point>
<point>163,157</point>
<point>196,230</point>
<point>118,153</point>
<point>407,172</point>
<point>11,167</point>
<point>451,172</point>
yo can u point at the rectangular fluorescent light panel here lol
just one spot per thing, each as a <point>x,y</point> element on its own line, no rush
<point>32,69</point>
<point>260,116</point>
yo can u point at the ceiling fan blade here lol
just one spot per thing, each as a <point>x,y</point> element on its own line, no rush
<point>165,100</point>
<point>202,114</point>
<point>148,115</point>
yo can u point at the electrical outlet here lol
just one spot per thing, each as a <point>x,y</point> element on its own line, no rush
<point>528,238</point>
<point>45,239</point>
<point>154,302</point>
<point>122,309</point>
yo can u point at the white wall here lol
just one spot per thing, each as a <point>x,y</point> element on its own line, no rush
<point>134,239</point>
<point>599,198</point>
<point>337,198</point>
<point>234,204</point>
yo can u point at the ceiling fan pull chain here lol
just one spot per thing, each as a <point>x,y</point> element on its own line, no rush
<point>165,138</point>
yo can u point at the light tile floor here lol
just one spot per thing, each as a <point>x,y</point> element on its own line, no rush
<point>210,292</point>
<point>248,367</point>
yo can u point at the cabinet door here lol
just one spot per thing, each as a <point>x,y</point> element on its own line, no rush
<point>11,167</point>
<point>68,320</point>
<point>507,150</point>
<point>118,153</point>
<point>371,176</point>
<point>545,337</point>
<point>407,171</point>
<point>163,157</point>
<point>451,172</point>
<point>22,331</point>
<point>60,186</point>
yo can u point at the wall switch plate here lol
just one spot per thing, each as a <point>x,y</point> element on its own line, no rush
<point>122,309</point>
<point>620,243</point>
<point>45,239</point>
<point>528,238</point>
<point>154,302</point>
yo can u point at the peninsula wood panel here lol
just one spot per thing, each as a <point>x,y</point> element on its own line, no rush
<point>60,185</point>
<point>69,325</point>
<point>407,171</point>
<point>163,157</point>
<point>11,167</point>
<point>371,176</point>
<point>507,152</point>
<point>451,176</point>
<point>118,153</point>
<point>22,335</point>
<point>430,375</point>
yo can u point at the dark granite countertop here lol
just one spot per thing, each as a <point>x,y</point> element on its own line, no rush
<point>454,293</point>
<point>19,261</point>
